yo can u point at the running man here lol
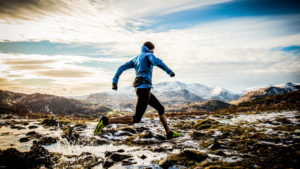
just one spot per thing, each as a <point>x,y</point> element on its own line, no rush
<point>143,65</point>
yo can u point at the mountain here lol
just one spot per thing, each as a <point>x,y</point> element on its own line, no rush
<point>195,89</point>
<point>167,92</point>
<point>268,91</point>
<point>11,102</point>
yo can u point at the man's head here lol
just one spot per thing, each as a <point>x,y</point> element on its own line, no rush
<point>150,46</point>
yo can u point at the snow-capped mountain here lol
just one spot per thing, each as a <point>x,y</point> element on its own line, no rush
<point>167,92</point>
<point>255,93</point>
<point>193,92</point>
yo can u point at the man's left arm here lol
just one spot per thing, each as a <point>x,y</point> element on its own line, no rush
<point>159,63</point>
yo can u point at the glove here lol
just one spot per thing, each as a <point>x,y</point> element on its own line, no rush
<point>114,86</point>
<point>173,74</point>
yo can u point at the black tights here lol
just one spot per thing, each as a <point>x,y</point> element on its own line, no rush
<point>145,97</point>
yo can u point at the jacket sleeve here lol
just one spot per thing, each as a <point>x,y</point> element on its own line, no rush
<point>121,69</point>
<point>159,63</point>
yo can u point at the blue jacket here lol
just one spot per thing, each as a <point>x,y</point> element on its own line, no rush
<point>143,65</point>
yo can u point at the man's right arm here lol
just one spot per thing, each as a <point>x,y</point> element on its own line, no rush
<point>121,69</point>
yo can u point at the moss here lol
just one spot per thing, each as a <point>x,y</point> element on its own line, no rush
<point>217,165</point>
<point>184,158</point>
<point>286,128</point>
<point>205,124</point>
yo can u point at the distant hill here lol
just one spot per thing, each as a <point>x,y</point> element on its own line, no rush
<point>268,91</point>
<point>287,101</point>
<point>11,102</point>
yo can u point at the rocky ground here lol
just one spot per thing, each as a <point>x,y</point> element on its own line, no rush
<point>244,140</point>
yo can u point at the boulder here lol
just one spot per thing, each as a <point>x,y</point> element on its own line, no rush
<point>184,158</point>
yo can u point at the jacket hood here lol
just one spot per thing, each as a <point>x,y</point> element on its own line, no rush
<point>145,49</point>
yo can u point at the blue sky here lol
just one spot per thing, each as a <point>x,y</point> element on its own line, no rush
<point>74,48</point>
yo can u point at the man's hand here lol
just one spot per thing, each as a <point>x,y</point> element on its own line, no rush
<point>173,74</point>
<point>114,86</point>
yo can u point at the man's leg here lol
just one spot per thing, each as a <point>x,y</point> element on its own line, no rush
<point>141,105</point>
<point>161,111</point>
<point>121,120</point>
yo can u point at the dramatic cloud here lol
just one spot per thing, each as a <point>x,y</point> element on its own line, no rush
<point>28,9</point>
<point>78,44</point>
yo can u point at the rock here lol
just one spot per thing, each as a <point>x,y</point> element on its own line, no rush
<point>197,134</point>
<point>36,157</point>
<point>148,134</point>
<point>141,129</point>
<point>25,123</point>
<point>128,162</point>
<point>108,153</point>
<point>121,151</point>
<point>128,129</point>
<point>39,155</point>
<point>17,127</point>
<point>161,149</point>
<point>143,157</point>
<point>87,160</point>
<point>220,153</point>
<point>45,141</point>
<point>33,127</point>
<point>205,124</point>
<point>108,163</point>
<point>33,134</point>
<point>215,145</point>
<point>24,139</point>
<point>12,158</point>
<point>50,122</point>
<point>116,157</point>
<point>185,158</point>
<point>160,137</point>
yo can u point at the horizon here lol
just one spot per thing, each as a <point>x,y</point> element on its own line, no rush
<point>241,92</point>
<point>73,48</point>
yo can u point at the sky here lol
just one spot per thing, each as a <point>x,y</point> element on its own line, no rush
<point>74,47</point>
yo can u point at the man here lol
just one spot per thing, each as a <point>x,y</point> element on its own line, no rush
<point>143,64</point>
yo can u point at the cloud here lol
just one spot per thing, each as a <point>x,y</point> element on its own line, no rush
<point>64,73</point>
<point>28,9</point>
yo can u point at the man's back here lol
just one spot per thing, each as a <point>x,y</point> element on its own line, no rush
<point>143,64</point>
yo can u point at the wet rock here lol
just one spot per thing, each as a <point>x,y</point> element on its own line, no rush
<point>116,157</point>
<point>186,158</point>
<point>36,157</point>
<point>108,153</point>
<point>143,157</point>
<point>24,139</point>
<point>45,141</point>
<point>50,123</point>
<point>215,145</point>
<point>6,133</point>
<point>128,162</point>
<point>108,163</point>
<point>17,127</point>
<point>201,135</point>
<point>142,139</point>
<point>33,134</point>
<point>87,160</point>
<point>121,151</point>
<point>220,153</point>
<point>128,129</point>
<point>25,124</point>
<point>33,127</point>
<point>141,129</point>
<point>205,124</point>
<point>160,137</point>
<point>161,149</point>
